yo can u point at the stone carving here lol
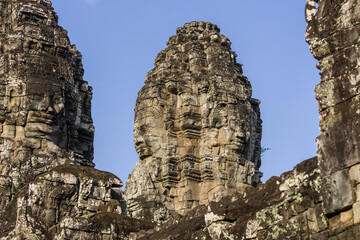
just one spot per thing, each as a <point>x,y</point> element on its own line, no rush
<point>197,132</point>
<point>197,129</point>
<point>52,206</point>
<point>285,207</point>
<point>48,186</point>
<point>45,105</point>
<point>320,198</point>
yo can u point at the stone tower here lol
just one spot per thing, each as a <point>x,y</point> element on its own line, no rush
<point>45,105</point>
<point>197,129</point>
<point>49,188</point>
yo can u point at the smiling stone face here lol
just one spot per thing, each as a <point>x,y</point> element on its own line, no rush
<point>197,129</point>
<point>45,105</point>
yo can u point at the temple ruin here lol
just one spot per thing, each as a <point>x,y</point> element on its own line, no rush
<point>197,133</point>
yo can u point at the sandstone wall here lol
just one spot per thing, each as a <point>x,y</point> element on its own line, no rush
<point>197,129</point>
<point>334,36</point>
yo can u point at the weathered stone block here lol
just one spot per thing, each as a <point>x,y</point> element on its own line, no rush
<point>317,221</point>
<point>8,131</point>
<point>347,218</point>
<point>354,174</point>
<point>20,133</point>
<point>352,233</point>
<point>320,236</point>
<point>348,59</point>
<point>341,116</point>
<point>338,146</point>
<point>38,127</point>
<point>312,220</point>
<point>356,210</point>
<point>50,216</point>
<point>337,192</point>
<point>334,222</point>
<point>334,91</point>
<point>32,143</point>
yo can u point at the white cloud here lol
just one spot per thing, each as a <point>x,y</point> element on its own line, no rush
<point>92,2</point>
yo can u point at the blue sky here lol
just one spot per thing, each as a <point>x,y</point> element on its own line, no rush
<point>119,41</point>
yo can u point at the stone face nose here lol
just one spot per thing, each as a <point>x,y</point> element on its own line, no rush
<point>192,107</point>
<point>139,142</point>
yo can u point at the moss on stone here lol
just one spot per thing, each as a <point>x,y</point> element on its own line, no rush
<point>324,219</point>
<point>298,198</point>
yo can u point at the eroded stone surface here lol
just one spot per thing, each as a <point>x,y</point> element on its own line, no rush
<point>55,201</point>
<point>197,129</point>
<point>48,186</point>
<point>318,199</point>
<point>45,110</point>
<point>286,207</point>
<point>190,147</point>
<point>334,36</point>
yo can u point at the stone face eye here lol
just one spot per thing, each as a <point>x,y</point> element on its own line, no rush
<point>216,123</point>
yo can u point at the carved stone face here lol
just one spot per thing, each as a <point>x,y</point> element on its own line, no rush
<point>45,103</point>
<point>142,146</point>
<point>197,129</point>
<point>200,125</point>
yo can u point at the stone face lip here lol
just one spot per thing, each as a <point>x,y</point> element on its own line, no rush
<point>197,130</point>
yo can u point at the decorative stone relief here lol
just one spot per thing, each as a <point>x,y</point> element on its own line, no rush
<point>197,129</point>
<point>45,105</point>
